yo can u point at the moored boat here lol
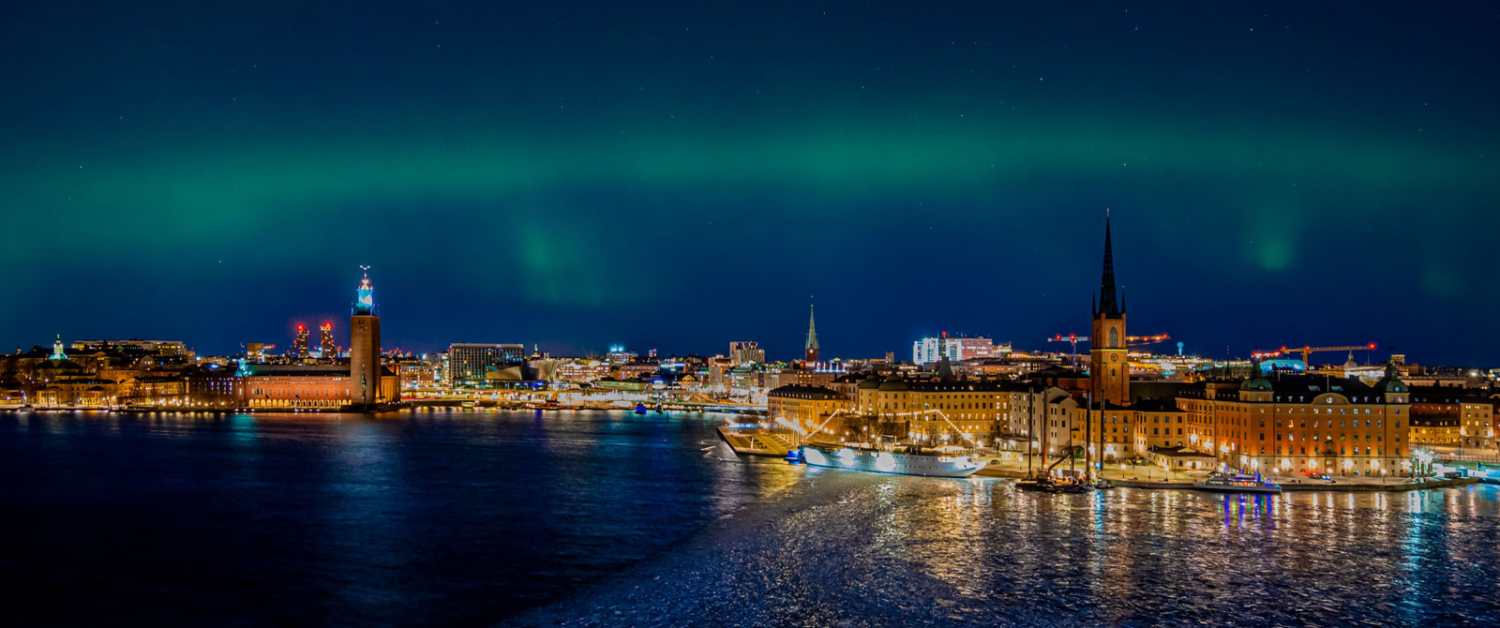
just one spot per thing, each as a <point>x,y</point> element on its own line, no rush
<point>1227,483</point>
<point>943,462</point>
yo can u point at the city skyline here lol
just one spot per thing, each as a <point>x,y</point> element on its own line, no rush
<point>918,171</point>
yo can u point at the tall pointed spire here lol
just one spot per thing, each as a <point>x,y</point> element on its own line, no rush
<point>1107,302</point>
<point>810,352</point>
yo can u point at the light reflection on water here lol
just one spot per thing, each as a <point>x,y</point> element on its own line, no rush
<point>1129,555</point>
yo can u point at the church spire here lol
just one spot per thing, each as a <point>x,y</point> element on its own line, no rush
<point>1107,302</point>
<point>810,352</point>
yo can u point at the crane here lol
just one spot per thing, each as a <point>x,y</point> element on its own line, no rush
<point>1307,350</point>
<point>1130,341</point>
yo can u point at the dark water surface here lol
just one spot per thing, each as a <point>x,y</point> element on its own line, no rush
<point>447,518</point>
<point>456,518</point>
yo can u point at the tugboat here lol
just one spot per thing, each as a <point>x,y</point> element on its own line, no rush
<point>640,408</point>
<point>1227,483</point>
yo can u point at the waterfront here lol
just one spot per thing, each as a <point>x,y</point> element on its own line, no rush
<point>467,518</point>
<point>433,518</point>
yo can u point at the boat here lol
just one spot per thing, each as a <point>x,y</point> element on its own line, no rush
<point>640,408</point>
<point>1038,485</point>
<point>941,462</point>
<point>1103,484</point>
<point>1227,483</point>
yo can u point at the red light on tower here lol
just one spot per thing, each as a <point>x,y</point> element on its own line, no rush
<point>1372,345</point>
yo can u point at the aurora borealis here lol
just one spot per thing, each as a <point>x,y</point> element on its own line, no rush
<point>680,175</point>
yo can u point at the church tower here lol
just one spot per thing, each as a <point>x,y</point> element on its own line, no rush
<point>810,351</point>
<point>1109,371</point>
<point>364,347</point>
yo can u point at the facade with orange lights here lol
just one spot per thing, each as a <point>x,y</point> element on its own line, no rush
<point>1299,424</point>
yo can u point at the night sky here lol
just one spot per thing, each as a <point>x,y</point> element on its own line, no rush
<point>680,175</point>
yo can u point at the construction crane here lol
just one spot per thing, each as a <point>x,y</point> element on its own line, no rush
<point>1130,341</point>
<point>1308,351</point>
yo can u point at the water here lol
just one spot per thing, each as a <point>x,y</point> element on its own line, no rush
<point>455,518</point>
<point>447,518</point>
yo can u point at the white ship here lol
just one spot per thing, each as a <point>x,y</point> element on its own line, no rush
<point>943,462</point>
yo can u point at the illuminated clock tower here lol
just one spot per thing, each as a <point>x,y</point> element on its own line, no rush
<point>364,347</point>
<point>1109,372</point>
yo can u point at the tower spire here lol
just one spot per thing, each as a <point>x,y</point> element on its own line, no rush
<point>810,350</point>
<point>365,293</point>
<point>1107,301</point>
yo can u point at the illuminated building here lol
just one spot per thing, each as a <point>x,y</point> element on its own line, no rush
<point>1446,415</point>
<point>310,387</point>
<point>57,350</point>
<point>81,392</point>
<point>414,374</point>
<point>1109,371</point>
<point>153,347</point>
<point>364,348</point>
<point>928,350</point>
<point>256,351</point>
<point>810,350</point>
<point>211,387</point>
<point>801,377</point>
<point>326,349</point>
<point>806,406</point>
<point>618,354</point>
<point>469,363</point>
<point>299,344</point>
<point>746,352</point>
<point>975,409</point>
<point>581,371</point>
<point>1295,424</point>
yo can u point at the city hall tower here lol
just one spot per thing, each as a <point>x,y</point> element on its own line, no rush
<point>364,346</point>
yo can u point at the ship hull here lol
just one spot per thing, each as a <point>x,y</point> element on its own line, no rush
<point>894,463</point>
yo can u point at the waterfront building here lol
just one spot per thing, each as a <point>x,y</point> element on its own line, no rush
<point>810,348</point>
<point>155,388</point>
<point>469,363</point>
<point>1295,424</point>
<point>1109,370</point>
<point>298,387</point>
<point>213,386</point>
<point>974,409</point>
<point>746,352</point>
<point>414,374</point>
<point>809,407</point>
<point>365,372</point>
<point>1447,415</point>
